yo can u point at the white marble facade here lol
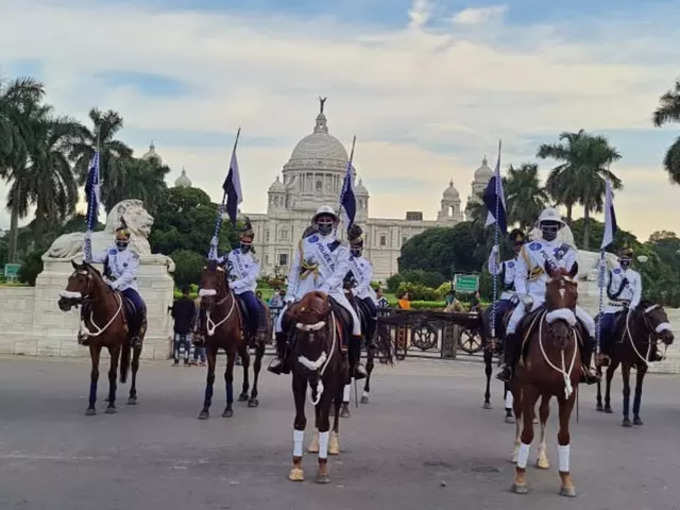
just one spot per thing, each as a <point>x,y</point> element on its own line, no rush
<point>312,177</point>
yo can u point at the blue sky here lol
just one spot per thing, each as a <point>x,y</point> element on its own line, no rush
<point>428,86</point>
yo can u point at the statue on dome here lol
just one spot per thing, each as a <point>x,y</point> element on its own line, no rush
<point>322,100</point>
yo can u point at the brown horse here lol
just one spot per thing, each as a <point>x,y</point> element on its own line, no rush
<point>551,367</point>
<point>106,327</point>
<point>318,363</point>
<point>635,339</point>
<point>224,327</point>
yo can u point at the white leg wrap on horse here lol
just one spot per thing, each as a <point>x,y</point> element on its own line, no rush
<point>508,400</point>
<point>346,392</point>
<point>523,455</point>
<point>298,439</point>
<point>563,455</point>
<point>323,445</point>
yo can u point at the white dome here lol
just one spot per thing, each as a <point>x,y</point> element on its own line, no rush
<point>360,189</point>
<point>183,181</point>
<point>483,173</point>
<point>451,193</point>
<point>151,154</point>
<point>318,147</point>
<point>277,186</point>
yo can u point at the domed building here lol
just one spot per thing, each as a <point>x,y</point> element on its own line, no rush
<point>482,177</point>
<point>152,155</point>
<point>313,177</point>
<point>183,181</point>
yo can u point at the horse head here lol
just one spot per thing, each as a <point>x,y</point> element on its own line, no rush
<point>560,301</point>
<point>80,286</point>
<point>213,286</point>
<point>656,321</point>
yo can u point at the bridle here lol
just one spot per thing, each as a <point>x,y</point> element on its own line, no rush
<point>652,332</point>
<point>211,326</point>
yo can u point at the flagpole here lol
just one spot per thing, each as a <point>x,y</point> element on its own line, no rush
<point>496,248</point>
<point>92,203</point>
<point>212,254</point>
<point>349,169</point>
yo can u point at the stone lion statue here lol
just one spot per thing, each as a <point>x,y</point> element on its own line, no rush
<point>137,219</point>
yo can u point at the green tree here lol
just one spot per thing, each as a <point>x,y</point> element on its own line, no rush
<point>586,159</point>
<point>137,178</point>
<point>188,265</point>
<point>524,197</point>
<point>669,111</point>
<point>113,153</point>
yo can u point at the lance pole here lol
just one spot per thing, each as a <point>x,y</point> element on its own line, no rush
<point>220,210</point>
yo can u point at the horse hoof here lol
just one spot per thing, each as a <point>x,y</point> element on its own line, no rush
<point>132,401</point>
<point>228,413</point>
<point>296,475</point>
<point>90,412</point>
<point>518,488</point>
<point>509,419</point>
<point>487,405</point>
<point>608,410</point>
<point>203,415</point>
<point>253,402</point>
<point>344,411</point>
<point>542,464</point>
<point>243,397</point>
<point>110,410</point>
<point>334,445</point>
<point>638,421</point>
<point>323,478</point>
<point>599,407</point>
<point>364,399</point>
<point>626,423</point>
<point>568,492</point>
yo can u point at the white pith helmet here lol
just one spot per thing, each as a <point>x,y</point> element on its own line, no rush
<point>325,209</point>
<point>550,214</point>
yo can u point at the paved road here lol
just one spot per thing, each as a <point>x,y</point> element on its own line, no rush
<point>423,443</point>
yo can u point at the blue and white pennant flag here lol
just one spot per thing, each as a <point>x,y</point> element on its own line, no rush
<point>494,198</point>
<point>93,197</point>
<point>610,226</point>
<point>348,201</point>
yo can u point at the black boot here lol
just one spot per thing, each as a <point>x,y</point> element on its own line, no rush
<point>279,364</point>
<point>509,358</point>
<point>587,374</point>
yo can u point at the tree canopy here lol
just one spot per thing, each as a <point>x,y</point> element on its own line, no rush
<point>669,111</point>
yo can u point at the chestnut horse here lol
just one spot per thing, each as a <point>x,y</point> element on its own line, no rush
<point>224,328</point>
<point>635,339</point>
<point>106,327</point>
<point>551,367</point>
<point>318,363</point>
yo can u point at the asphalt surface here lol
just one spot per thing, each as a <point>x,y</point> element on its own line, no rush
<point>423,442</point>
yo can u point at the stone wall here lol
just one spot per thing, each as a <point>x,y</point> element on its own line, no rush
<point>32,324</point>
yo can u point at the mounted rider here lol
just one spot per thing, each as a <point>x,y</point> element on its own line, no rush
<point>539,261</point>
<point>120,272</point>
<point>624,293</point>
<point>361,272</point>
<point>243,269</point>
<point>320,264</point>
<point>506,270</point>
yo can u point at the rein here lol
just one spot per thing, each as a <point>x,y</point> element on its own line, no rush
<point>566,374</point>
<point>324,359</point>
<point>85,329</point>
<point>649,342</point>
<point>212,326</point>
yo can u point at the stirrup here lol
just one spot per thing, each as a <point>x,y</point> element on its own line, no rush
<point>83,340</point>
<point>588,377</point>
<point>505,374</point>
<point>277,366</point>
<point>359,372</point>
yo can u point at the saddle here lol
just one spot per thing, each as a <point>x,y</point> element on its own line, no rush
<point>530,322</point>
<point>362,311</point>
<point>130,310</point>
<point>344,321</point>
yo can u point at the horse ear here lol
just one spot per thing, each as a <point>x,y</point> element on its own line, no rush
<point>73,263</point>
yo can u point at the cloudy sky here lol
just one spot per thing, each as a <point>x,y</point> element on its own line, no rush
<point>428,86</point>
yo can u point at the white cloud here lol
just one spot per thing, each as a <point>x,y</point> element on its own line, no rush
<point>420,101</point>
<point>419,13</point>
<point>474,16</point>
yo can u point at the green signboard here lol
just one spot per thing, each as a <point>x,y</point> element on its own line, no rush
<point>466,283</point>
<point>12,271</point>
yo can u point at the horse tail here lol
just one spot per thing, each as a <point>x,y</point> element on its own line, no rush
<point>125,360</point>
<point>383,342</point>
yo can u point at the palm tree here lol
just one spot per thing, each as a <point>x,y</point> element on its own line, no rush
<point>586,159</point>
<point>21,114</point>
<point>524,197</point>
<point>113,153</point>
<point>141,179</point>
<point>669,111</point>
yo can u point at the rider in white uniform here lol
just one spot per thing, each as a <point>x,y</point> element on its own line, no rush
<point>537,261</point>
<point>320,263</point>
<point>361,271</point>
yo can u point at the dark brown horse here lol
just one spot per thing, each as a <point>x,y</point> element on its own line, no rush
<point>636,338</point>
<point>493,347</point>
<point>106,326</point>
<point>318,364</point>
<point>551,367</point>
<point>223,324</point>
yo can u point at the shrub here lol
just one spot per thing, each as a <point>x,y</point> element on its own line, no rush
<point>31,267</point>
<point>188,265</point>
<point>417,291</point>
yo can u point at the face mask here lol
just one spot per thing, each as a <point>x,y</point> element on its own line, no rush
<point>325,228</point>
<point>356,252</point>
<point>245,248</point>
<point>549,232</point>
<point>625,263</point>
<point>121,245</point>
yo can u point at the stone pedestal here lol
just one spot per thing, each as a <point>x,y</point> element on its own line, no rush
<point>33,324</point>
